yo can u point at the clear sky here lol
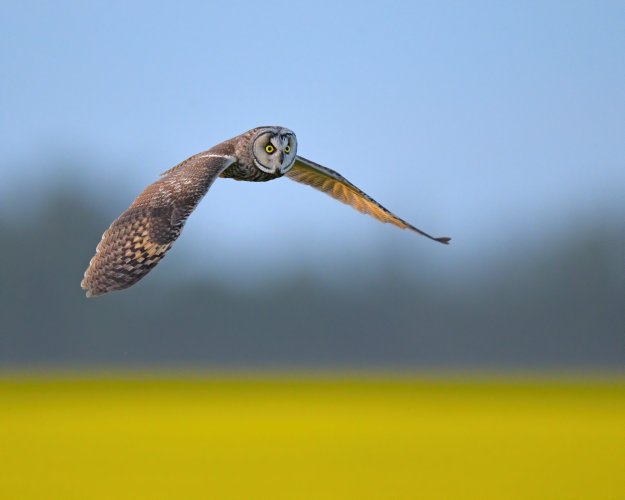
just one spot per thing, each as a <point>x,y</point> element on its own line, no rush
<point>490,122</point>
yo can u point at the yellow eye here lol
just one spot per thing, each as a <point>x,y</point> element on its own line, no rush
<point>269,148</point>
<point>287,149</point>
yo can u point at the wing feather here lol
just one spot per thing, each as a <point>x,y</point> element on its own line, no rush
<point>141,236</point>
<point>339,188</point>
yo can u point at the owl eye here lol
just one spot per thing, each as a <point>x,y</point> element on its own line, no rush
<point>287,149</point>
<point>269,148</point>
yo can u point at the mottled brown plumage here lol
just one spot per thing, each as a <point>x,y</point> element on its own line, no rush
<point>143,234</point>
<point>140,237</point>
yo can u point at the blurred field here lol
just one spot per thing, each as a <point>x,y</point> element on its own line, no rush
<point>331,438</point>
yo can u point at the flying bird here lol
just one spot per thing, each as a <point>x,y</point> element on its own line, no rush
<point>141,236</point>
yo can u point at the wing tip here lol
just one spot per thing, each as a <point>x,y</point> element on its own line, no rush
<point>441,239</point>
<point>89,292</point>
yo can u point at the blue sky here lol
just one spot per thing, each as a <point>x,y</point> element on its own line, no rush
<point>491,122</point>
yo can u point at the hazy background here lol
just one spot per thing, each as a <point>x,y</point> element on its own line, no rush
<point>500,125</point>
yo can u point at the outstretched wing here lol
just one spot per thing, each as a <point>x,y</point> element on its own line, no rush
<point>337,186</point>
<point>142,235</point>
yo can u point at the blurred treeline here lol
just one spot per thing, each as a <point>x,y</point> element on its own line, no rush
<point>561,306</point>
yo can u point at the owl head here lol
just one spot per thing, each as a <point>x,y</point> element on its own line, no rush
<point>274,149</point>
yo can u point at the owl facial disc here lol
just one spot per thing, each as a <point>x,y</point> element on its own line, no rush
<point>274,150</point>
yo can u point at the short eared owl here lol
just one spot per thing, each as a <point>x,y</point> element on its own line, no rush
<point>142,235</point>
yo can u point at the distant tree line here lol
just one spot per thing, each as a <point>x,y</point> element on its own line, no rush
<point>562,309</point>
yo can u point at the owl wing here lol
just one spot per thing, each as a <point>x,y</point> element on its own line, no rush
<point>337,186</point>
<point>140,237</point>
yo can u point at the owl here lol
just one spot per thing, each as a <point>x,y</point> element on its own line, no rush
<point>141,236</point>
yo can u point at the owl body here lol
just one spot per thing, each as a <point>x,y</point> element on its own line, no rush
<point>241,172</point>
<point>141,236</point>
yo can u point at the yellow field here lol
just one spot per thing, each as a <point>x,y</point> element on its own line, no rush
<point>337,439</point>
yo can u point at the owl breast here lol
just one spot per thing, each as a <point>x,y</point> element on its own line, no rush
<point>248,173</point>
